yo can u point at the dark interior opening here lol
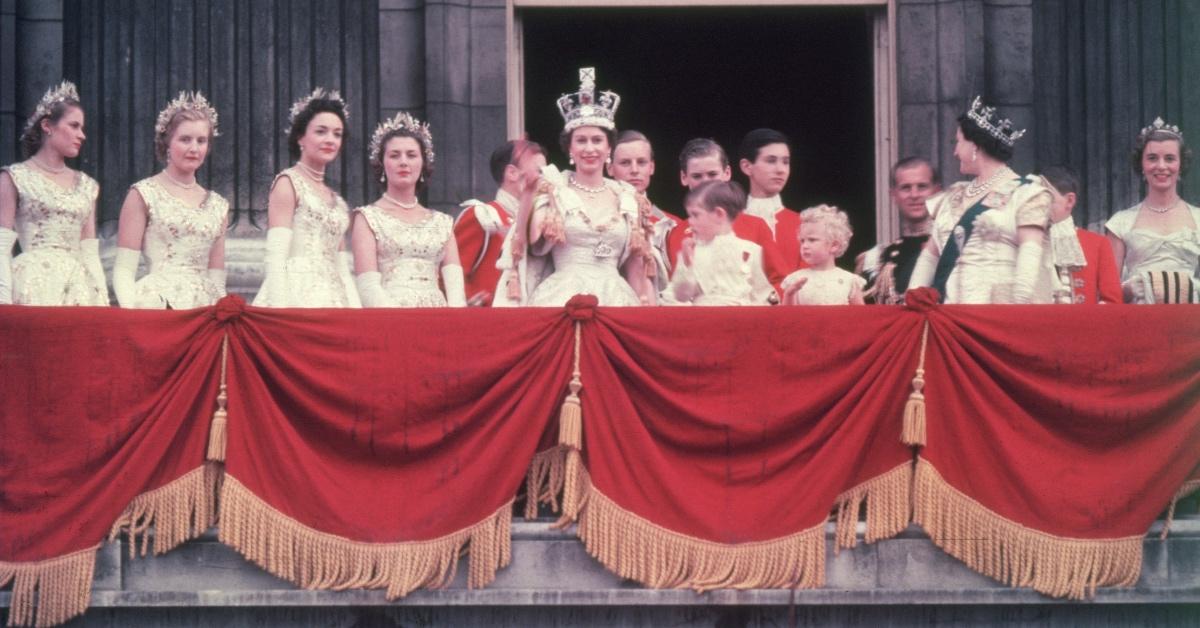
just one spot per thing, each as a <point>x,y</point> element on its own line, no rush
<point>718,73</point>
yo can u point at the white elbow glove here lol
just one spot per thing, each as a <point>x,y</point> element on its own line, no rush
<point>1029,262</point>
<point>923,271</point>
<point>125,276</point>
<point>452,280</point>
<point>217,277</point>
<point>89,253</point>
<point>346,272</point>
<point>279,244</point>
<point>370,289</point>
<point>8,237</point>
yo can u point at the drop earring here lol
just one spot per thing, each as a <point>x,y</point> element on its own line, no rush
<point>383,179</point>
<point>974,154</point>
<point>571,160</point>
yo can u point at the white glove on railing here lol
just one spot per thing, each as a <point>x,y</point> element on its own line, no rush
<point>8,238</point>
<point>370,289</point>
<point>217,277</point>
<point>923,271</point>
<point>89,254</point>
<point>1029,262</point>
<point>452,280</point>
<point>279,244</point>
<point>125,276</point>
<point>346,272</point>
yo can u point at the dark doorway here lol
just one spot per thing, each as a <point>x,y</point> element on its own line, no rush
<point>720,72</point>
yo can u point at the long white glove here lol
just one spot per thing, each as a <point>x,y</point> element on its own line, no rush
<point>452,280</point>
<point>279,243</point>
<point>89,254</point>
<point>923,271</point>
<point>125,276</point>
<point>217,277</point>
<point>345,266</point>
<point>370,289</point>
<point>1029,262</point>
<point>8,238</point>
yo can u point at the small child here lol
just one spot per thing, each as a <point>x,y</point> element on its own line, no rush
<point>714,266</point>
<point>824,235</point>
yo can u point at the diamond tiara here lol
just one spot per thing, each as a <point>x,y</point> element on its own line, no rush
<point>402,121</point>
<point>319,93</point>
<point>1001,130</point>
<point>63,92</point>
<point>1159,125</point>
<point>193,101</point>
<point>582,108</point>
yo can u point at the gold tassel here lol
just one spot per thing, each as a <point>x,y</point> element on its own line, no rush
<point>312,559</point>
<point>1014,554</point>
<point>216,430</point>
<point>61,585</point>
<point>1183,491</point>
<point>913,432</point>
<point>888,499</point>
<point>640,550</point>
<point>570,437</point>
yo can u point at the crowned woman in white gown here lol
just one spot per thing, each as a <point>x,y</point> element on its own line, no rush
<point>306,264</point>
<point>400,247</point>
<point>178,224</point>
<point>51,209</point>
<point>578,232</point>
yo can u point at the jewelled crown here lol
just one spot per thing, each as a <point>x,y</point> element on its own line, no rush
<point>1159,125</point>
<point>190,101</point>
<point>63,92</point>
<point>402,121</point>
<point>1002,129</point>
<point>583,108</point>
<point>319,93</point>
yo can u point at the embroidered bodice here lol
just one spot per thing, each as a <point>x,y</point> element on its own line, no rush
<point>408,254</point>
<point>318,226</point>
<point>179,236</point>
<point>50,216</point>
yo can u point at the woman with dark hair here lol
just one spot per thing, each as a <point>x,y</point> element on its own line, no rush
<point>989,242</point>
<point>51,209</point>
<point>307,220</point>
<point>578,232</point>
<point>1157,241</point>
<point>400,246</point>
<point>178,224</point>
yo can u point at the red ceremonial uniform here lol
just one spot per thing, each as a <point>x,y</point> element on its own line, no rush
<point>479,231</point>
<point>747,228</point>
<point>1099,281</point>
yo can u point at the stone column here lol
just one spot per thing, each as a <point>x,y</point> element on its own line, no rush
<point>31,59</point>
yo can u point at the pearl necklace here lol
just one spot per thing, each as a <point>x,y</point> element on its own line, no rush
<point>1161,210</point>
<point>313,173</point>
<point>583,188</point>
<point>187,186</point>
<point>38,162</point>
<point>975,188</point>
<point>412,205</point>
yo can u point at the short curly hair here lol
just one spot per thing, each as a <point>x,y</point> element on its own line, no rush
<point>162,141</point>
<point>1139,149</point>
<point>300,123</point>
<point>564,138</point>
<point>836,222</point>
<point>986,142</point>
<point>426,167</point>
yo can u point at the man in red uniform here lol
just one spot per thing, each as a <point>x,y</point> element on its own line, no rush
<point>480,228</point>
<point>633,163</point>
<point>1098,281</point>
<point>704,160</point>
<point>765,157</point>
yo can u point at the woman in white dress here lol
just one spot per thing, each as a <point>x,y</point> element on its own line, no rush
<point>306,264</point>
<point>51,209</point>
<point>178,224</point>
<point>989,239</point>
<point>578,232</point>
<point>1157,242</point>
<point>400,246</point>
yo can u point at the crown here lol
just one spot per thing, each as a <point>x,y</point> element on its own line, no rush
<point>1159,125</point>
<point>1001,130</point>
<point>63,92</point>
<point>319,93</point>
<point>583,109</point>
<point>192,101</point>
<point>402,121</point>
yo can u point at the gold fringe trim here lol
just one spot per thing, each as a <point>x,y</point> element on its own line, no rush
<point>635,548</point>
<point>545,480</point>
<point>216,430</point>
<point>1185,490</point>
<point>914,409</point>
<point>888,499</point>
<point>179,511</point>
<point>317,560</point>
<point>63,587</point>
<point>1014,554</point>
